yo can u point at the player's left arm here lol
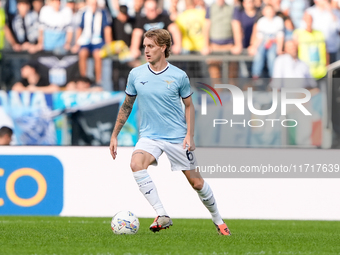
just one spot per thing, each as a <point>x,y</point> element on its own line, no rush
<point>190,120</point>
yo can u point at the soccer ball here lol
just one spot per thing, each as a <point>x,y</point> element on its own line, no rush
<point>124,223</point>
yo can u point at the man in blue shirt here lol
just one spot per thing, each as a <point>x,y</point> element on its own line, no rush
<point>160,87</point>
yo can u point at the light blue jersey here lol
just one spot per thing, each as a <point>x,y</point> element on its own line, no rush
<point>159,98</point>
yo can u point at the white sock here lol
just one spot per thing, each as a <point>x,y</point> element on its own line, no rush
<point>207,197</point>
<point>148,189</point>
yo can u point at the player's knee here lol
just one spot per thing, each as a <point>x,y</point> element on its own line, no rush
<point>197,184</point>
<point>135,166</point>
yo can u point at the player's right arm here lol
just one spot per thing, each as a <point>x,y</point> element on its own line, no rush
<point>123,115</point>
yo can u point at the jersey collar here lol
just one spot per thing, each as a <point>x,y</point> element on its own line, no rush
<point>159,72</point>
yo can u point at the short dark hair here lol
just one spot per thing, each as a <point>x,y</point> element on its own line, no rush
<point>32,63</point>
<point>161,37</point>
<point>23,1</point>
<point>6,131</point>
<point>123,9</point>
<point>83,79</point>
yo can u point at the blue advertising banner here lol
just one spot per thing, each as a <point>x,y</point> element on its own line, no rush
<point>31,185</point>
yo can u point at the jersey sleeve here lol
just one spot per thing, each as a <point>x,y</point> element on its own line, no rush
<point>130,86</point>
<point>184,90</point>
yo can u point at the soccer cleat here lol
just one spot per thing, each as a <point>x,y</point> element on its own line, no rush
<point>161,222</point>
<point>223,229</point>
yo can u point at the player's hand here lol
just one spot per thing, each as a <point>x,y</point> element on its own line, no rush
<point>189,143</point>
<point>113,146</point>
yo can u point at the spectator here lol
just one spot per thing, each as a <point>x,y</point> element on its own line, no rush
<point>24,33</point>
<point>244,18</point>
<point>154,19</point>
<point>122,28</point>
<point>55,28</point>
<point>269,41</point>
<point>93,33</point>
<point>32,81</point>
<point>217,28</point>
<point>312,48</point>
<point>37,5</point>
<point>218,35</point>
<point>5,135</point>
<point>288,65</point>
<point>295,10</point>
<point>243,22</point>
<point>82,84</point>
<point>326,20</point>
<point>288,23</point>
<point>190,23</point>
<point>123,25</point>
<point>288,26</point>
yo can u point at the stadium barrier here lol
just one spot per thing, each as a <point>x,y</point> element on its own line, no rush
<point>62,65</point>
<point>85,181</point>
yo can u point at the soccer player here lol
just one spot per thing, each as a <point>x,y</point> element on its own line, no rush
<point>160,87</point>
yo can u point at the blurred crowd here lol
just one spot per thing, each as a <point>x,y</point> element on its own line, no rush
<point>287,38</point>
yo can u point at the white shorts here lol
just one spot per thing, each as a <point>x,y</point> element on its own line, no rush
<point>180,159</point>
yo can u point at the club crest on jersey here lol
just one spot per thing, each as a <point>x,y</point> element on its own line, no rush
<point>169,83</point>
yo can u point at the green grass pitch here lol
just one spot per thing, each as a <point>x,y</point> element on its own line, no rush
<point>74,235</point>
